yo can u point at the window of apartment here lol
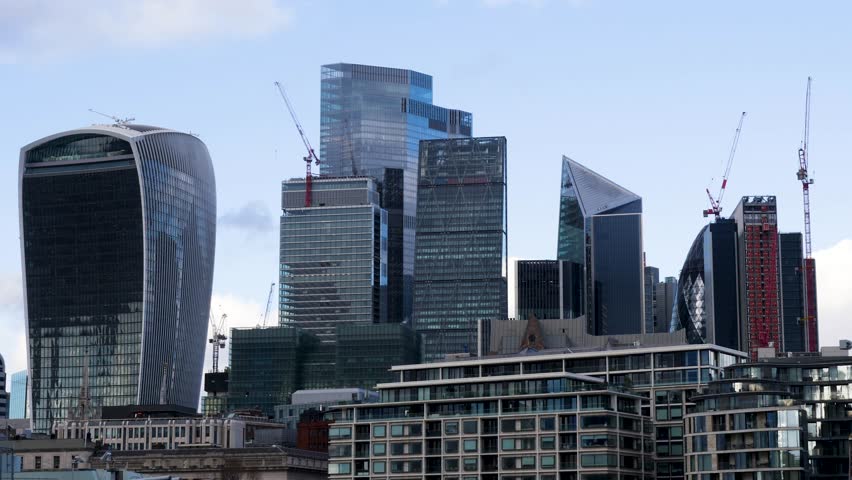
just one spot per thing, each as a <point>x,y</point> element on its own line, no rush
<point>470,427</point>
<point>470,445</point>
<point>37,461</point>
<point>56,461</point>
<point>379,431</point>
<point>378,467</point>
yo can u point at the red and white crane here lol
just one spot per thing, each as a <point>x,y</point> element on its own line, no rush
<point>802,174</point>
<point>716,202</point>
<point>311,156</point>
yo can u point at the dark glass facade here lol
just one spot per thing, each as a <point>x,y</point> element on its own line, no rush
<point>366,353</point>
<point>265,366</point>
<point>461,242</point>
<point>549,289</point>
<point>792,292</point>
<point>707,291</point>
<point>118,238</point>
<point>372,120</point>
<point>652,278</point>
<point>600,227</point>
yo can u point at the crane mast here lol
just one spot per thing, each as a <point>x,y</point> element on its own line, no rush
<point>802,174</point>
<point>810,305</point>
<point>217,339</point>
<point>716,202</point>
<point>311,155</point>
<point>268,302</point>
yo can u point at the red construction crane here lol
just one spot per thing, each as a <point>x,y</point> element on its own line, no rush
<point>716,202</point>
<point>311,156</point>
<point>802,174</point>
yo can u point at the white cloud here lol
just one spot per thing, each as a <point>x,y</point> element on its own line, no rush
<point>834,298</point>
<point>43,29</point>
<point>241,313</point>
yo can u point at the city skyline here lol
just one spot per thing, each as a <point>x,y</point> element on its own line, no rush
<point>771,87</point>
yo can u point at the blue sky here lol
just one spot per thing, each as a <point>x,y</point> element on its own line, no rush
<point>646,93</point>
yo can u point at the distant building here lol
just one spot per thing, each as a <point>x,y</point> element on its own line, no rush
<point>759,274</point>
<point>652,278</point>
<point>333,255</point>
<point>4,396</point>
<point>708,296</point>
<point>791,262</point>
<point>265,366</point>
<point>76,459</point>
<point>548,289</point>
<point>18,395</point>
<point>372,119</point>
<point>461,242</point>
<point>118,235</point>
<point>269,364</point>
<point>170,433</point>
<point>600,227</point>
<point>664,303</point>
<point>320,400</point>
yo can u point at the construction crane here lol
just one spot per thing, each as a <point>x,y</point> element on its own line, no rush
<point>810,314</point>
<point>217,338</point>
<point>116,120</point>
<point>311,156</point>
<point>268,302</point>
<point>716,202</point>
<point>802,174</point>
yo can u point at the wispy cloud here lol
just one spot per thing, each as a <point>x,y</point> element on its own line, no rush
<point>835,304</point>
<point>45,29</point>
<point>251,217</point>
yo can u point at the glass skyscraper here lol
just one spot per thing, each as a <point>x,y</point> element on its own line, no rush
<point>118,232</point>
<point>549,289</point>
<point>372,120</point>
<point>18,395</point>
<point>600,227</point>
<point>461,242</point>
<point>707,292</point>
<point>333,263</point>
<point>792,292</point>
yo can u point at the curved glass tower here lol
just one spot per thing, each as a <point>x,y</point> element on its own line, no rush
<point>707,299</point>
<point>118,231</point>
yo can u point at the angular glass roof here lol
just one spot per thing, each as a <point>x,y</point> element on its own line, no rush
<point>596,193</point>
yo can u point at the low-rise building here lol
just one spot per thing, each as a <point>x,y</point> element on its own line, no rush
<point>748,429</point>
<point>261,463</point>
<point>513,419</point>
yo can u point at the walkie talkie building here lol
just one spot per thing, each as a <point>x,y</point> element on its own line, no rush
<point>118,232</point>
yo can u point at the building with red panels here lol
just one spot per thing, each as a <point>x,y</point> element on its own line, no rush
<point>757,231</point>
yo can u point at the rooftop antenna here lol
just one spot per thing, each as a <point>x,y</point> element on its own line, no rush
<point>116,120</point>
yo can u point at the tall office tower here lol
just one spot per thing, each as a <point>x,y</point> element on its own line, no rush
<point>333,259</point>
<point>600,227</point>
<point>461,242</point>
<point>549,289</point>
<point>118,232</point>
<point>759,274</point>
<point>372,119</point>
<point>4,397</point>
<point>652,278</point>
<point>707,299</point>
<point>790,261</point>
<point>18,395</point>
<point>666,293</point>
